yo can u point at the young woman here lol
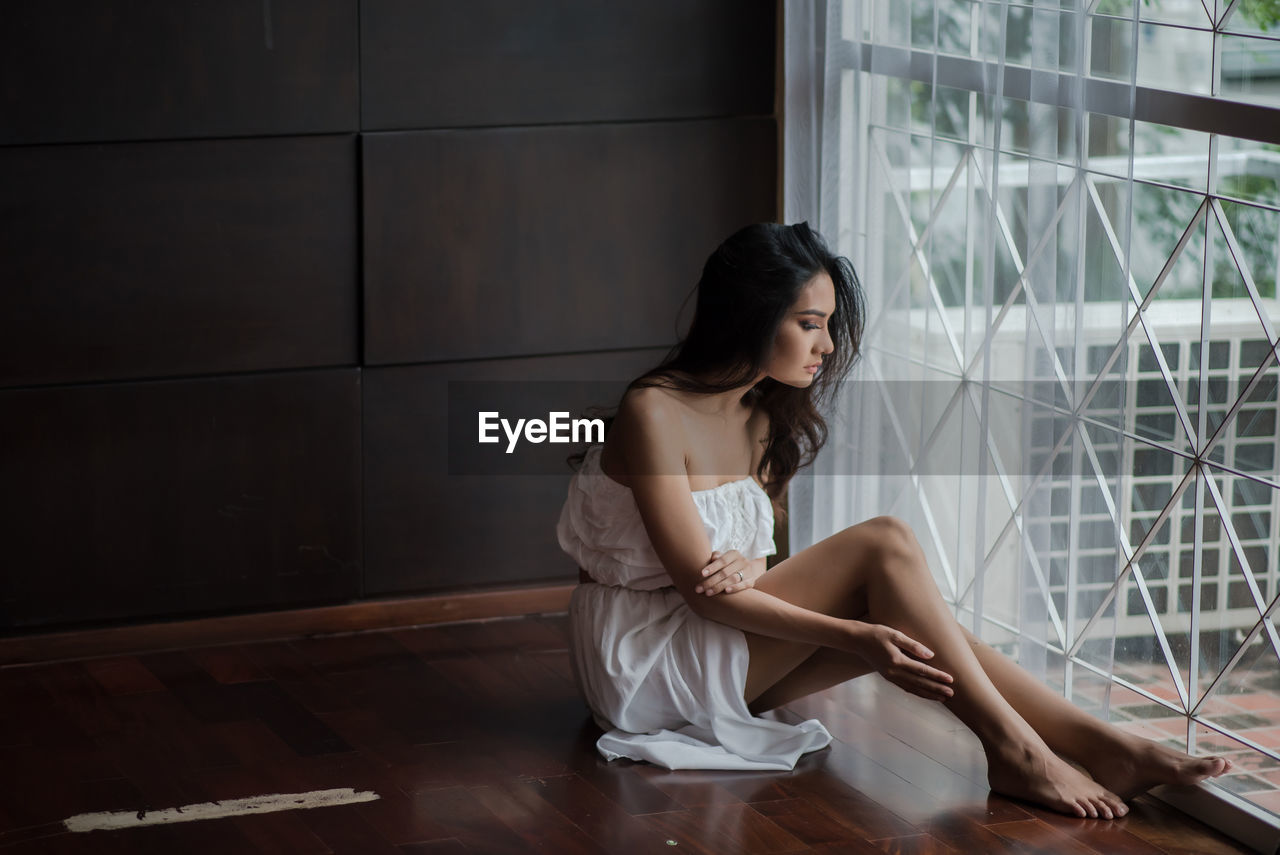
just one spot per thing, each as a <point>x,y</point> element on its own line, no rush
<point>680,636</point>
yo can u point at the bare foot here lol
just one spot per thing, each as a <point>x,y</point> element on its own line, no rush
<point>1133,765</point>
<point>1034,773</point>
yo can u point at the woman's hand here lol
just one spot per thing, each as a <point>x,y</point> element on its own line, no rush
<point>898,658</point>
<point>728,572</point>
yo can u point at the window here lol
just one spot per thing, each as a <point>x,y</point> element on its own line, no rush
<point>1068,220</point>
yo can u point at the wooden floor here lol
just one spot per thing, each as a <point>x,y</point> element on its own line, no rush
<point>474,739</point>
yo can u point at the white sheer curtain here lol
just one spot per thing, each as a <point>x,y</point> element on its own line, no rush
<point>1056,209</point>
<point>964,211</point>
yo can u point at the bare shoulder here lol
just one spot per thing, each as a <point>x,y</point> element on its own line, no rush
<point>649,402</point>
<point>649,409</point>
<point>648,434</point>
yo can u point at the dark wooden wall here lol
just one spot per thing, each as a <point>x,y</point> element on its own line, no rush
<point>245,247</point>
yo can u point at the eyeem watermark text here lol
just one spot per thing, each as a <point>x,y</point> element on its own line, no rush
<point>558,428</point>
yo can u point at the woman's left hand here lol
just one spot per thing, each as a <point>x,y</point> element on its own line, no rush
<point>729,571</point>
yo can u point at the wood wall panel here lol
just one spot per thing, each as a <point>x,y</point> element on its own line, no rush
<point>518,241</point>
<point>512,62</point>
<point>179,497</point>
<point>159,259</point>
<point>429,530</point>
<point>187,257</point>
<point>79,70</point>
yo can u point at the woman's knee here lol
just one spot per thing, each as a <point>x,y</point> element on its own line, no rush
<point>886,537</point>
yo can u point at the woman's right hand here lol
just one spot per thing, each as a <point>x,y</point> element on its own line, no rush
<point>898,658</point>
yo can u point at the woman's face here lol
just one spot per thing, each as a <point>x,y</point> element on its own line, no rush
<point>803,338</point>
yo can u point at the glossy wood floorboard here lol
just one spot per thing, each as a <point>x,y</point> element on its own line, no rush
<point>475,740</point>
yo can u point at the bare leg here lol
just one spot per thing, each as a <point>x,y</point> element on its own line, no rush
<point>885,578</point>
<point>1125,764</point>
<point>1121,762</point>
<point>1019,721</point>
<point>823,669</point>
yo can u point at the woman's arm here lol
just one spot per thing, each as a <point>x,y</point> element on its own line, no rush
<point>651,432</point>
<point>653,439</point>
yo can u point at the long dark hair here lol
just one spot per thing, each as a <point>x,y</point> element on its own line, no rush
<point>748,286</point>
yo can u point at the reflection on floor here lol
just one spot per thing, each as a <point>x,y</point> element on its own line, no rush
<point>474,739</point>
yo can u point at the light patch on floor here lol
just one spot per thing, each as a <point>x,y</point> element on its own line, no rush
<point>215,810</point>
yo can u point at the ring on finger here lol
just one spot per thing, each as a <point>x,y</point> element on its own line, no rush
<point>739,575</point>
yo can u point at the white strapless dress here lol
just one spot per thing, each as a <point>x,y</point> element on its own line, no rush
<point>665,684</point>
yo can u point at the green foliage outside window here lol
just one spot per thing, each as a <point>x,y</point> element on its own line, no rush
<point>1264,13</point>
<point>946,113</point>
